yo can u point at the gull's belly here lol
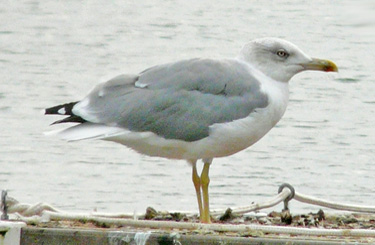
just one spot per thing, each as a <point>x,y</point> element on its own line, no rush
<point>229,138</point>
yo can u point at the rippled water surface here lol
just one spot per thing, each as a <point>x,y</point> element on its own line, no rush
<point>55,51</point>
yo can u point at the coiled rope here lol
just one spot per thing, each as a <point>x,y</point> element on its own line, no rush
<point>42,212</point>
<point>328,204</point>
<point>48,215</point>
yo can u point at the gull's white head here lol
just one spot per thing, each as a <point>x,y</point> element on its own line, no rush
<point>280,59</point>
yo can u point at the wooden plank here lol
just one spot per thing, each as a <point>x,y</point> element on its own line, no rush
<point>52,236</point>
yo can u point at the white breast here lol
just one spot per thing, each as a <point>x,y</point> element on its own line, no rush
<point>228,138</point>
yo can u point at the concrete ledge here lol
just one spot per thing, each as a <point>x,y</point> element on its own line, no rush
<point>51,236</point>
<point>10,232</point>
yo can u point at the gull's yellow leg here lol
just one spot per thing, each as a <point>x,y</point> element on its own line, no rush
<point>205,181</point>
<point>197,185</point>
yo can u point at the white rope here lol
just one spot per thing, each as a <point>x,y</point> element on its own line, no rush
<point>24,209</point>
<point>28,210</point>
<point>258,206</point>
<point>239,210</point>
<point>212,227</point>
<point>42,212</point>
<point>328,204</point>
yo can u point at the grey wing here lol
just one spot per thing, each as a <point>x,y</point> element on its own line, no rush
<point>176,101</point>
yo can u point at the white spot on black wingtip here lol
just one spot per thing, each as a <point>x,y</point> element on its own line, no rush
<point>140,85</point>
<point>62,111</point>
<point>101,93</point>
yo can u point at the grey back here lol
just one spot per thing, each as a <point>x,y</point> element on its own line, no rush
<point>178,100</point>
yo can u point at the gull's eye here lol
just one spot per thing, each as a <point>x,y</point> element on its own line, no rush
<point>282,53</point>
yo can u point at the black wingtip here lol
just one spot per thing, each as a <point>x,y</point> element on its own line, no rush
<point>64,109</point>
<point>71,119</point>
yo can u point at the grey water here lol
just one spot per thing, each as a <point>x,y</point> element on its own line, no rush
<point>53,52</point>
